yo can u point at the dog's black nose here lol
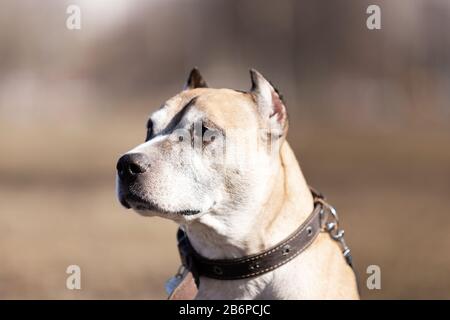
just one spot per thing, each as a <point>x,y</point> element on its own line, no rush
<point>132,164</point>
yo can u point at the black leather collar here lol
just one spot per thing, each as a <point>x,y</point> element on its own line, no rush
<point>256,264</point>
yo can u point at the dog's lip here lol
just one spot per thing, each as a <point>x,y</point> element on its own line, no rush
<point>140,204</point>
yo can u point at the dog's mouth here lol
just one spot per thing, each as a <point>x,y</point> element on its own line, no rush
<point>139,204</point>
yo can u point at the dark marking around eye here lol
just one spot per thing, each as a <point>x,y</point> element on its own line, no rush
<point>204,129</point>
<point>177,118</point>
<point>149,124</point>
<point>149,129</point>
<point>210,131</point>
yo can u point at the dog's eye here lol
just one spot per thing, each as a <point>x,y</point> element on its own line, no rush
<point>149,129</point>
<point>208,135</point>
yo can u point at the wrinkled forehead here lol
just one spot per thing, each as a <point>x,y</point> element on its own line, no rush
<point>224,107</point>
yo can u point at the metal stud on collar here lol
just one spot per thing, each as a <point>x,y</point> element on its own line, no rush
<point>217,270</point>
<point>286,250</point>
<point>254,267</point>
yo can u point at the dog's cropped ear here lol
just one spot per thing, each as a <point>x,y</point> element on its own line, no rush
<point>269,102</point>
<point>195,80</point>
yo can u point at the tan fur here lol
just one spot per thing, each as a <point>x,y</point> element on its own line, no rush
<point>320,272</point>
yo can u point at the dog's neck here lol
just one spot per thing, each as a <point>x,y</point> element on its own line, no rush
<point>288,204</point>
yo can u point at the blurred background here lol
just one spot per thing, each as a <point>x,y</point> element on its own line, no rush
<point>369,112</point>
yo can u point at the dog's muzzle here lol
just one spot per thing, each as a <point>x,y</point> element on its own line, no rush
<point>132,171</point>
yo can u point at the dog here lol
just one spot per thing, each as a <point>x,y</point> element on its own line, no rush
<point>216,161</point>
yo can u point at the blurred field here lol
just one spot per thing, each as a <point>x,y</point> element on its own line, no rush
<point>369,110</point>
<point>59,208</point>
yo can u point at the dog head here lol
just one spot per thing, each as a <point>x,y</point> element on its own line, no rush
<point>207,152</point>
